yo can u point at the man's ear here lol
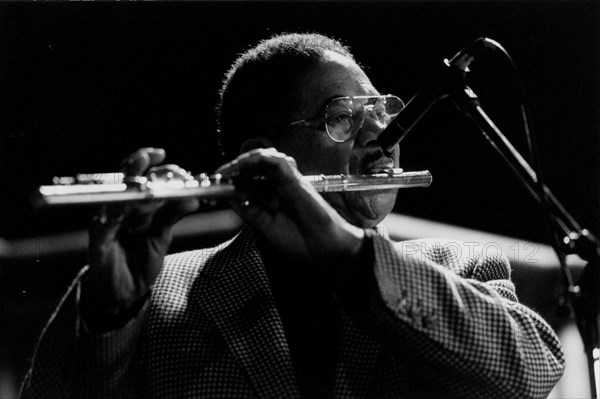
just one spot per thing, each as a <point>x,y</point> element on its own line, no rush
<point>256,142</point>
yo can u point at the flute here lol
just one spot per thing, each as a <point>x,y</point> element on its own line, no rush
<point>107,188</point>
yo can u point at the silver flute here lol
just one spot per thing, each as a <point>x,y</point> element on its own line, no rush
<point>107,188</point>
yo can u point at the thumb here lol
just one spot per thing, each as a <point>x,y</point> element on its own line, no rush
<point>255,215</point>
<point>172,212</point>
<point>106,225</point>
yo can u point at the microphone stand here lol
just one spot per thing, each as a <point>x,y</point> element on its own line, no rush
<point>584,297</point>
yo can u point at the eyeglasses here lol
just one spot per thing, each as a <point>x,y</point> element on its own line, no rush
<point>344,116</point>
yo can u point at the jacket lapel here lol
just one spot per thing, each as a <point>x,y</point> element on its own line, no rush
<point>358,356</point>
<point>235,293</point>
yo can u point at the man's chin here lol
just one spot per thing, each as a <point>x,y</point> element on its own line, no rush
<point>363,209</point>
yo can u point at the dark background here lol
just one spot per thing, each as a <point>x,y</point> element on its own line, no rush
<point>83,85</point>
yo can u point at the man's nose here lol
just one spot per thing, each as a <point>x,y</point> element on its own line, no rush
<point>370,129</point>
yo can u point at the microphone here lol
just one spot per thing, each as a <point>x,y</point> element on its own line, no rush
<point>450,77</point>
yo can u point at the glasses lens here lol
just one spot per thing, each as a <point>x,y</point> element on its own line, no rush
<point>384,109</point>
<point>340,119</point>
<point>344,116</point>
<point>393,106</point>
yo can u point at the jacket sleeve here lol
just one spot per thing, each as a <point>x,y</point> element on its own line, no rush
<point>70,362</point>
<point>459,318</point>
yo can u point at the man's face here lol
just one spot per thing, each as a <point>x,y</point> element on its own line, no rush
<point>338,76</point>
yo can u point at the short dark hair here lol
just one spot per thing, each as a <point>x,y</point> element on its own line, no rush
<point>259,82</point>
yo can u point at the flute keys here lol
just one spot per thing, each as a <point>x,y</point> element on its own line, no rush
<point>203,180</point>
<point>390,171</point>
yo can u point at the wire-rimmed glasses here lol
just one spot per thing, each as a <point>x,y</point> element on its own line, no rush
<point>344,116</point>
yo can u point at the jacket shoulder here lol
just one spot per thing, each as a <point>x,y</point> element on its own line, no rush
<point>479,261</point>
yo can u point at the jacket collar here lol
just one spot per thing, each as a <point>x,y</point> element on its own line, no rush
<point>235,292</point>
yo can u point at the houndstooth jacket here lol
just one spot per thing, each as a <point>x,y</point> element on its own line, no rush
<point>444,323</point>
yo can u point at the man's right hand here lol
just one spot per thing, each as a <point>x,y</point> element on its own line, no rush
<point>127,247</point>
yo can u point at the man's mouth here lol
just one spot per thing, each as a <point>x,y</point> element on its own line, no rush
<point>375,162</point>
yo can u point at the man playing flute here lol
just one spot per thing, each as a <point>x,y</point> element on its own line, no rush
<point>310,299</point>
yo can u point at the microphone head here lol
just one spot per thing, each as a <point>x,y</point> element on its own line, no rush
<point>438,88</point>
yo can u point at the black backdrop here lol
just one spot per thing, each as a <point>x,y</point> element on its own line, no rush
<point>82,85</point>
